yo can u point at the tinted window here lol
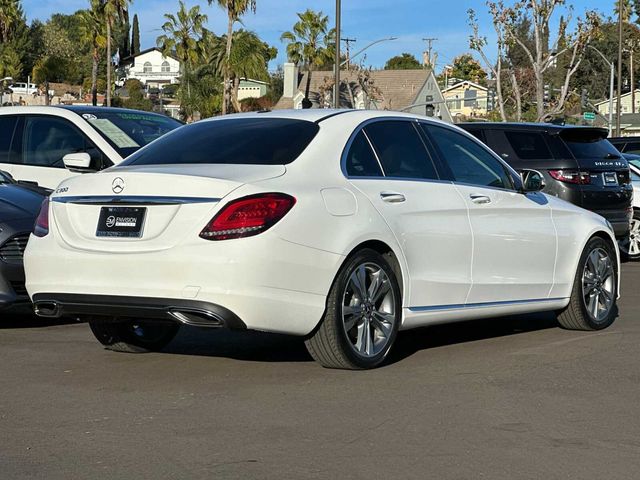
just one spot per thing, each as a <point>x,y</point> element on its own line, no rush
<point>7,127</point>
<point>479,134</point>
<point>255,141</point>
<point>361,161</point>
<point>468,161</point>
<point>528,145</point>
<point>598,149</point>
<point>632,147</point>
<point>400,150</point>
<point>127,131</point>
<point>47,139</point>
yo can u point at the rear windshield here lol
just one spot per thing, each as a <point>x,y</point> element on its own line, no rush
<point>589,146</point>
<point>254,141</point>
<point>127,132</point>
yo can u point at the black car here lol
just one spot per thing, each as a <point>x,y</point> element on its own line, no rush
<point>626,144</point>
<point>579,165</point>
<point>19,207</point>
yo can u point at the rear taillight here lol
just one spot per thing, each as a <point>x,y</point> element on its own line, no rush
<point>248,216</point>
<point>41,228</point>
<point>571,176</point>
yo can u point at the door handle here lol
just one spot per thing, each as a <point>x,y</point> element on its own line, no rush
<point>392,197</point>
<point>480,199</point>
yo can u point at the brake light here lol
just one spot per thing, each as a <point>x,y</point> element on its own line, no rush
<point>248,216</point>
<point>41,228</point>
<point>571,176</point>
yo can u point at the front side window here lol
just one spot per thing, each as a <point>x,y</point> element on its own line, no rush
<point>361,161</point>
<point>47,139</point>
<point>400,150</point>
<point>249,141</point>
<point>468,161</point>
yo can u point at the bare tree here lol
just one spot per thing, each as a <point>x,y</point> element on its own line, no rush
<point>543,56</point>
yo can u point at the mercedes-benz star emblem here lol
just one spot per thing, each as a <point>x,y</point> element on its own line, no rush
<point>117,185</point>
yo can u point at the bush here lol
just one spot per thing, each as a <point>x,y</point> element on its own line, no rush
<point>256,104</point>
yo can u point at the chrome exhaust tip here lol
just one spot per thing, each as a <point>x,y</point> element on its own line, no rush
<point>47,309</point>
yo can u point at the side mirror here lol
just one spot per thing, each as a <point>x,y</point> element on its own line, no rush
<point>532,180</point>
<point>77,161</point>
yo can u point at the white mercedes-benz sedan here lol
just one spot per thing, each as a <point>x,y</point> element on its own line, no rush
<point>342,227</point>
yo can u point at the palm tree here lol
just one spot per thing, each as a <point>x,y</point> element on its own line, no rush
<point>183,34</point>
<point>92,33</point>
<point>235,9</point>
<point>114,11</point>
<point>10,13</point>
<point>248,59</point>
<point>310,44</point>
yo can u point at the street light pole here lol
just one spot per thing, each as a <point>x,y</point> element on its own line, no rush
<point>336,86</point>
<point>611,77</point>
<point>618,107</point>
<point>388,39</point>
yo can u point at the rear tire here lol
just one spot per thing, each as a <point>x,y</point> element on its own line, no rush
<point>593,297</point>
<point>630,246</point>
<point>363,313</point>
<point>132,336</point>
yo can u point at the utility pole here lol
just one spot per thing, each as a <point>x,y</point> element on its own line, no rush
<point>336,87</point>
<point>618,107</point>
<point>349,41</point>
<point>430,41</point>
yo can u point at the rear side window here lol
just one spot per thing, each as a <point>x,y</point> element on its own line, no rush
<point>469,162</point>
<point>361,161</point>
<point>529,145</point>
<point>7,127</point>
<point>400,150</point>
<point>253,141</point>
<point>632,147</point>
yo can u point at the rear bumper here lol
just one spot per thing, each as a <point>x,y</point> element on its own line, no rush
<point>12,288</point>
<point>270,284</point>
<point>189,312</point>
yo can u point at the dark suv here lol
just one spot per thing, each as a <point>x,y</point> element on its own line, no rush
<point>578,163</point>
<point>626,144</point>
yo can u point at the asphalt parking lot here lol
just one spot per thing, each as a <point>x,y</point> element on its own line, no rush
<point>497,399</point>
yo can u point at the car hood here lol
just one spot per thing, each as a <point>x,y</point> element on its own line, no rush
<point>18,202</point>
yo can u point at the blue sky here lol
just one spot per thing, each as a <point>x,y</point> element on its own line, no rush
<point>365,20</point>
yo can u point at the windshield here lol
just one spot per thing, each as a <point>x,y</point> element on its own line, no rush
<point>253,141</point>
<point>127,132</point>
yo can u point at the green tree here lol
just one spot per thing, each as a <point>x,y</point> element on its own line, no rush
<point>135,36</point>
<point>249,59</point>
<point>235,10</point>
<point>310,44</point>
<point>10,14</point>
<point>465,67</point>
<point>93,33</point>
<point>405,61</point>
<point>114,11</point>
<point>10,63</point>
<point>183,37</point>
<point>45,69</point>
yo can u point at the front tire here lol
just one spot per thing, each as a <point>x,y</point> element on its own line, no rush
<point>630,245</point>
<point>134,336</point>
<point>362,317</point>
<point>593,298</point>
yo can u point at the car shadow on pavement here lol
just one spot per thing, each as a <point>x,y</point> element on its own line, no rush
<point>413,341</point>
<point>268,347</point>
<point>29,320</point>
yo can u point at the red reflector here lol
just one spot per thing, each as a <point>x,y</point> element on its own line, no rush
<point>571,176</point>
<point>41,228</point>
<point>248,216</point>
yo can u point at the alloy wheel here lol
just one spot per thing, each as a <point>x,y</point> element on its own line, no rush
<point>369,309</point>
<point>598,284</point>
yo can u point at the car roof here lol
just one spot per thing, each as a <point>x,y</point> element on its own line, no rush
<point>66,110</point>
<point>80,109</point>
<point>322,114</point>
<point>528,126</point>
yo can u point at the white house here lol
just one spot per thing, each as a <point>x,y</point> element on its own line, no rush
<point>625,104</point>
<point>466,98</point>
<point>151,67</point>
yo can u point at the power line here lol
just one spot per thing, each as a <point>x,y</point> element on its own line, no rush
<point>349,41</point>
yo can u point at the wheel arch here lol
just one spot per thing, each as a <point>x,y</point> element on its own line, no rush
<point>609,238</point>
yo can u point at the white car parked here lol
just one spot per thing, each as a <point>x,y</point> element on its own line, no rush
<point>631,246</point>
<point>37,143</point>
<point>340,226</point>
